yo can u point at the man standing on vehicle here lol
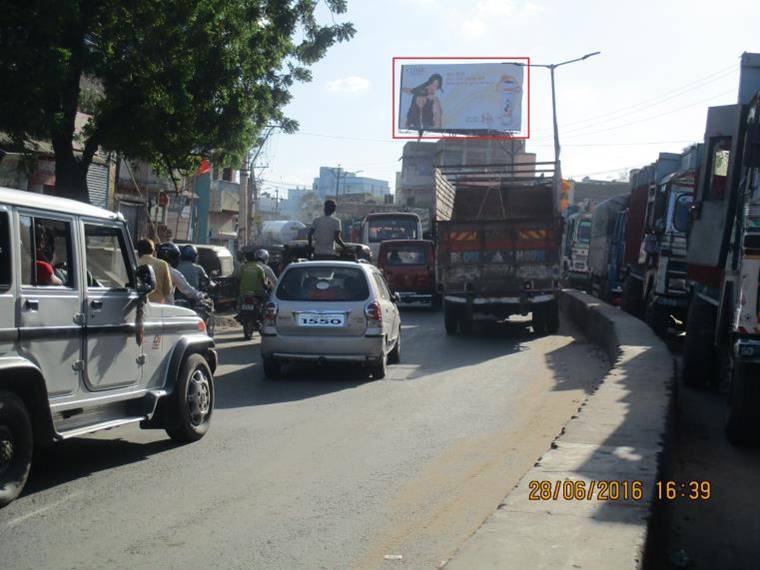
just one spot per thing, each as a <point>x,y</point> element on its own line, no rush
<point>146,250</point>
<point>325,232</point>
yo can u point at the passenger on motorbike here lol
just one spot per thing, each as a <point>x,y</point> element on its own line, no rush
<point>170,253</point>
<point>195,274</point>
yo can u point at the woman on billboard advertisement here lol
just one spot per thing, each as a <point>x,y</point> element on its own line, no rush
<point>425,110</point>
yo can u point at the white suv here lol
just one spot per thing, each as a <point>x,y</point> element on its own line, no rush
<point>81,347</point>
<point>331,311</point>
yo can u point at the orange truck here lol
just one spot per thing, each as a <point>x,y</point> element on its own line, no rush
<point>499,255</point>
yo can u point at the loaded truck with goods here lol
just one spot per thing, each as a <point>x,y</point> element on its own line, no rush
<point>499,254</point>
<point>656,239</point>
<point>607,248</point>
<point>722,342</point>
<point>575,244</point>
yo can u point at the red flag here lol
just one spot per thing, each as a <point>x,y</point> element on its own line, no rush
<point>203,168</point>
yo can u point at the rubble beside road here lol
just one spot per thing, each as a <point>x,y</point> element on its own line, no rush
<point>617,436</point>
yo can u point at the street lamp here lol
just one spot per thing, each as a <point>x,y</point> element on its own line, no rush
<point>551,67</point>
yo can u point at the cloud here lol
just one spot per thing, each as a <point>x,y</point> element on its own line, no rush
<point>349,84</point>
<point>484,16</point>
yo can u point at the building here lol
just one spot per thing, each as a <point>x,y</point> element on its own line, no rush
<point>17,172</point>
<point>415,183</point>
<point>336,181</point>
<point>587,193</point>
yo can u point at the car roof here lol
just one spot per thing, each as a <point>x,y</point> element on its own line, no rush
<point>406,242</point>
<point>330,263</point>
<point>54,204</point>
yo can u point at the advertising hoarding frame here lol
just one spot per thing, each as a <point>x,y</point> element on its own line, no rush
<point>450,136</point>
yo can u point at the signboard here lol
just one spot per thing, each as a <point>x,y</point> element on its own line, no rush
<point>461,97</point>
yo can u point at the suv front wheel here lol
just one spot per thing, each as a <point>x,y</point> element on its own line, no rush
<point>193,400</point>
<point>16,446</point>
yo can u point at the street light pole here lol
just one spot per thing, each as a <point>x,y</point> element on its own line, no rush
<point>551,67</point>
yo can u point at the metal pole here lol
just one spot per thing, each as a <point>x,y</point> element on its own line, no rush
<point>557,165</point>
<point>337,184</point>
<point>243,207</point>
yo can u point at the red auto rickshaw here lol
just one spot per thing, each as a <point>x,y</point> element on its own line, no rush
<point>409,268</point>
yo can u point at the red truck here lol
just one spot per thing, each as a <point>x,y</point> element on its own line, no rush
<point>409,268</point>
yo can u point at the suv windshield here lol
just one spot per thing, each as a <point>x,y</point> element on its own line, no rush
<point>406,255</point>
<point>381,229</point>
<point>323,284</point>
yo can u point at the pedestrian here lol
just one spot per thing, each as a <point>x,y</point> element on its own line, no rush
<point>325,232</point>
<point>146,249</point>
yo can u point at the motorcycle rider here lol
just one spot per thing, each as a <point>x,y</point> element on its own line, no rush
<point>195,274</point>
<point>253,279</point>
<point>170,253</point>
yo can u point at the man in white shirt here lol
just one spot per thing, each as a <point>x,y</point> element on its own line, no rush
<point>325,232</point>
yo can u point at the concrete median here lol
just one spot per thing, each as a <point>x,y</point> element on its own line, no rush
<point>588,501</point>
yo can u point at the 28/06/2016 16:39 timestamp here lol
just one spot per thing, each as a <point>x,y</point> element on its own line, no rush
<point>617,490</point>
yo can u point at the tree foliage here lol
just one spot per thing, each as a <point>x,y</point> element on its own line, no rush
<point>176,80</point>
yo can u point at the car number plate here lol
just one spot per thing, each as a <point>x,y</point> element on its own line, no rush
<point>321,320</point>
<point>248,307</point>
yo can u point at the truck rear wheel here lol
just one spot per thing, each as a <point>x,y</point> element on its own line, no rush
<point>631,301</point>
<point>451,318</point>
<point>657,318</point>
<point>742,425</point>
<point>698,349</point>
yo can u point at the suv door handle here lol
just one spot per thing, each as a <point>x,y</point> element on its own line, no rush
<point>32,305</point>
<point>96,304</point>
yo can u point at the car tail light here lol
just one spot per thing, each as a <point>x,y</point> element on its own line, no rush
<point>270,313</point>
<point>373,312</point>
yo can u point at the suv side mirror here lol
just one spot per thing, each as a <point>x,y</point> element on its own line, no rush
<point>146,280</point>
<point>395,297</point>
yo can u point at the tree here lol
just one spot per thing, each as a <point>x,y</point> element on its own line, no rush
<point>176,80</point>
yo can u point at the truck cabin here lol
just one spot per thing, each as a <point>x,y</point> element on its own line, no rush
<point>378,228</point>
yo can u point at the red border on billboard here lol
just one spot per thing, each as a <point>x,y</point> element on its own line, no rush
<point>451,137</point>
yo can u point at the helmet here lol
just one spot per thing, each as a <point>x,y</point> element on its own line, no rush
<point>250,255</point>
<point>188,252</point>
<point>262,255</point>
<point>169,252</point>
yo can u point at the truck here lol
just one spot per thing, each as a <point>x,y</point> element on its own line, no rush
<point>575,245</point>
<point>381,226</point>
<point>722,344</point>
<point>607,248</point>
<point>656,239</point>
<point>499,254</point>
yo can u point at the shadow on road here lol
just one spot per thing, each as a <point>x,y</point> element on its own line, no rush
<point>81,457</point>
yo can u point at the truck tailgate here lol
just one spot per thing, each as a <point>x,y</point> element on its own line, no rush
<point>498,257</point>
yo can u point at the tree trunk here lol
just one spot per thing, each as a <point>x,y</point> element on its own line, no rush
<point>71,178</point>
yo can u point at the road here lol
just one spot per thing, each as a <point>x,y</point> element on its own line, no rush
<point>318,470</point>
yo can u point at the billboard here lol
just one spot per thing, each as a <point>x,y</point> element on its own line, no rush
<point>461,97</point>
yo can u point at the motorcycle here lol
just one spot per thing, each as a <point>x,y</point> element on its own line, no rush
<point>203,307</point>
<point>250,314</point>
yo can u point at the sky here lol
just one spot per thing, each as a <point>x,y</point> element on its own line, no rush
<point>662,63</point>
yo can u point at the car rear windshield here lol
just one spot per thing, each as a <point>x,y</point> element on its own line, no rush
<point>406,255</point>
<point>584,231</point>
<point>323,284</point>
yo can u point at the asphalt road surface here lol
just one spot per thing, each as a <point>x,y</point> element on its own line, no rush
<point>317,470</point>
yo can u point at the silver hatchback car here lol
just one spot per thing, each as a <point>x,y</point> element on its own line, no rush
<point>331,311</point>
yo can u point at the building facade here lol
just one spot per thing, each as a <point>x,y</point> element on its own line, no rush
<point>336,181</point>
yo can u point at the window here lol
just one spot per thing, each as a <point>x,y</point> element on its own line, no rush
<point>323,284</point>
<point>107,262</point>
<point>382,287</point>
<point>46,258</point>
<point>381,229</point>
<point>682,213</point>
<point>719,159</point>
<point>406,255</point>
<point>584,231</point>
<point>5,250</point>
